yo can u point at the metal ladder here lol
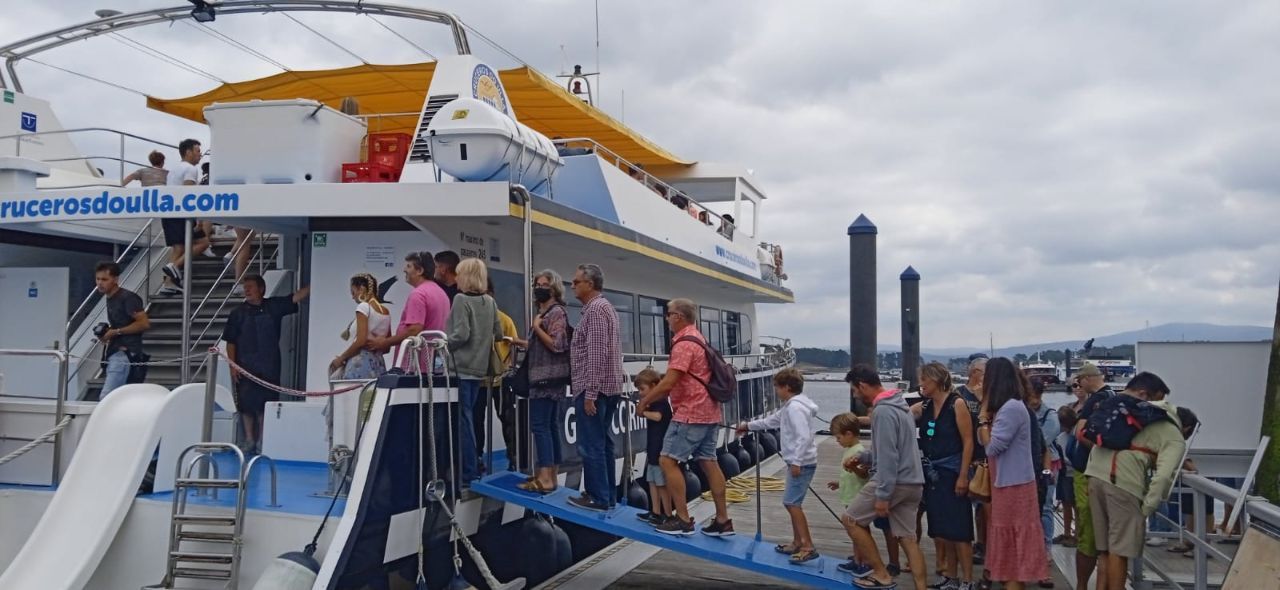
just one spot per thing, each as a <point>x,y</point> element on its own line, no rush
<point>216,529</point>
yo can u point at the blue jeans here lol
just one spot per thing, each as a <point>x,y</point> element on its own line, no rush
<point>544,420</point>
<point>595,446</point>
<point>468,395</point>
<point>117,373</point>
<point>1046,518</point>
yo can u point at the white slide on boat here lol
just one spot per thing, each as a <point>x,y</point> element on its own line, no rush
<point>99,487</point>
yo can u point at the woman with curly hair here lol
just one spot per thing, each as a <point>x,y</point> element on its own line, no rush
<point>372,321</point>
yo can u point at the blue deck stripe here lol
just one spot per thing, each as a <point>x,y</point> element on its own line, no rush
<point>741,551</point>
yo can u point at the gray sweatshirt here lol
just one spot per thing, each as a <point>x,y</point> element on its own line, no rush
<point>895,456</point>
<point>473,328</point>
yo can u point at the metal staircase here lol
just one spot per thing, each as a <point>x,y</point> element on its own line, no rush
<point>223,531</point>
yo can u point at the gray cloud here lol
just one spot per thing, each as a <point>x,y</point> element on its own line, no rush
<point>1053,171</point>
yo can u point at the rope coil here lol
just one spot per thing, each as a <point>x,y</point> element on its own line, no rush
<point>39,440</point>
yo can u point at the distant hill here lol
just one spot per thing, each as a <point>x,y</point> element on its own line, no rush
<point>1174,332</point>
<point>1178,332</point>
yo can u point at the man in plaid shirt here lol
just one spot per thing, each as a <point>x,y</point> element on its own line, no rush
<point>695,422</point>
<point>595,358</point>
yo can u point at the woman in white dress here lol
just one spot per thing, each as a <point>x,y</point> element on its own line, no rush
<point>372,321</point>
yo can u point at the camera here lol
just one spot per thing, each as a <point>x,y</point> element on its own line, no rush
<point>100,330</point>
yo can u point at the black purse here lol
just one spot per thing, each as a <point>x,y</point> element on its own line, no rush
<point>518,382</point>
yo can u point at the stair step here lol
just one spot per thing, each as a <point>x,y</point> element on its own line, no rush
<point>204,519</point>
<point>200,557</point>
<point>207,483</point>
<point>207,536</point>
<point>201,573</point>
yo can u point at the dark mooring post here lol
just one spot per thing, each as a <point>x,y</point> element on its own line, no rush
<point>910,280</point>
<point>862,291</point>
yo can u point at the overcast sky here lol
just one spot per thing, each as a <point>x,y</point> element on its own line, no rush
<point>1052,170</point>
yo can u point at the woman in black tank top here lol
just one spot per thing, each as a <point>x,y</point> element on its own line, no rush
<point>947,443</point>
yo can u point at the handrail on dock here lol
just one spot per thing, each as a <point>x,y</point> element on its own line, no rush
<point>1201,487</point>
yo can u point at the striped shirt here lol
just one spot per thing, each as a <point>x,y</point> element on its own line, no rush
<point>595,355</point>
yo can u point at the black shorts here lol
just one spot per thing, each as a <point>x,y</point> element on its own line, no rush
<point>175,232</point>
<point>252,398</point>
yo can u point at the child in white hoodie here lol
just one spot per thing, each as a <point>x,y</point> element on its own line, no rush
<point>799,450</point>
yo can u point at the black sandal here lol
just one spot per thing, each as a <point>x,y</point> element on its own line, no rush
<point>870,583</point>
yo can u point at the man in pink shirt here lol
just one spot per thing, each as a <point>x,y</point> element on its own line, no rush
<point>695,422</point>
<point>427,309</point>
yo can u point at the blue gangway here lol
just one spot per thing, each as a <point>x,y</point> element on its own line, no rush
<point>740,551</point>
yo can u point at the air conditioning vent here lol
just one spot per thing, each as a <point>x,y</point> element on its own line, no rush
<point>421,147</point>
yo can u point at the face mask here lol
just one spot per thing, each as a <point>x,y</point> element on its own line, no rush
<point>542,294</point>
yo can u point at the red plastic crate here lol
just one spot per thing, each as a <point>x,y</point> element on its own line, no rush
<point>369,172</point>
<point>389,149</point>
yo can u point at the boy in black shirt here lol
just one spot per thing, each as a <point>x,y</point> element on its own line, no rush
<point>659,416</point>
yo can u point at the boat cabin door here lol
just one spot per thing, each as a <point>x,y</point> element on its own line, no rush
<point>33,316</point>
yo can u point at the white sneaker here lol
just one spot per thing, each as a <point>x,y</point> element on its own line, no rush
<point>171,270</point>
<point>237,291</point>
<point>1157,542</point>
<point>227,256</point>
<point>209,253</point>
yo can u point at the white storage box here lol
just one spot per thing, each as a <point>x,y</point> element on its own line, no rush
<point>280,142</point>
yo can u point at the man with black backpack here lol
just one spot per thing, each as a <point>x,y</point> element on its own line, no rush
<point>694,377</point>
<point>1136,433</point>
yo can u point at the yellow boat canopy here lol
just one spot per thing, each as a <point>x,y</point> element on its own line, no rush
<point>539,102</point>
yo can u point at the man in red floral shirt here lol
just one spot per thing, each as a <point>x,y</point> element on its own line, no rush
<point>695,421</point>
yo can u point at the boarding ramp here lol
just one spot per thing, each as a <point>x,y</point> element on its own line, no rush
<point>99,487</point>
<point>741,551</point>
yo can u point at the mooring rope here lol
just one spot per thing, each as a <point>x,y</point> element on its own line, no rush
<point>39,440</point>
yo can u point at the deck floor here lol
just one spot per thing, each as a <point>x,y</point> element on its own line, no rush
<point>667,569</point>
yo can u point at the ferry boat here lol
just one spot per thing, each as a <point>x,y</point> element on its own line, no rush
<point>505,165</point>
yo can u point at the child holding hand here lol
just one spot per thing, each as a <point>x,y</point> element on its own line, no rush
<point>659,418</point>
<point>853,475</point>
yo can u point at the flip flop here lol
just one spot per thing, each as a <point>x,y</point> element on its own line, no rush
<point>787,549</point>
<point>804,555</point>
<point>870,583</point>
<point>534,486</point>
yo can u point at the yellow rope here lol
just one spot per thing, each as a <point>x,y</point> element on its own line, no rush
<point>739,488</point>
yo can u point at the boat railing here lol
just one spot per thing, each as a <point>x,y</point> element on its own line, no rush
<point>1200,487</point>
<point>657,185</point>
<point>79,323</point>
<point>774,356</point>
<point>59,405</point>
<point>119,157</point>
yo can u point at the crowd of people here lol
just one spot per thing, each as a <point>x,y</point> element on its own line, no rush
<point>980,465</point>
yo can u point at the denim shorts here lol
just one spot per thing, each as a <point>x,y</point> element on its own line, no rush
<point>690,440</point>
<point>654,475</point>
<point>797,487</point>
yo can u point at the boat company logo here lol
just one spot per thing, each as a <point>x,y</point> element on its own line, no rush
<point>736,258</point>
<point>107,203</point>
<point>29,122</point>
<point>486,88</point>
